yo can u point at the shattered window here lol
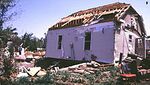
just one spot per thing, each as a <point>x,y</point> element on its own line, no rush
<point>59,41</point>
<point>87,42</point>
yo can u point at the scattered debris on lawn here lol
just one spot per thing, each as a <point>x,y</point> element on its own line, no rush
<point>87,68</point>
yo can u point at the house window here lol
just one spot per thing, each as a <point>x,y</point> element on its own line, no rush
<point>130,38</point>
<point>87,42</point>
<point>140,43</point>
<point>59,41</point>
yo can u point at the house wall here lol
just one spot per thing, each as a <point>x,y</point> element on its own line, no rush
<point>132,20</point>
<point>102,42</point>
<point>123,43</point>
<point>148,43</point>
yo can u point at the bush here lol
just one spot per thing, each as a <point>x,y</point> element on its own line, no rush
<point>47,79</point>
<point>22,81</point>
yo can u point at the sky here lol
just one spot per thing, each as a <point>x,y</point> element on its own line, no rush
<point>36,16</point>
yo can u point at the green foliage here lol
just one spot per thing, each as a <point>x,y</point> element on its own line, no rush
<point>90,78</point>
<point>77,78</point>
<point>98,73</point>
<point>114,75</point>
<point>46,79</point>
<point>63,75</point>
<point>8,66</point>
<point>108,77</point>
<point>5,7</point>
<point>43,80</point>
<point>8,34</point>
<point>7,63</point>
<point>32,43</point>
<point>22,81</point>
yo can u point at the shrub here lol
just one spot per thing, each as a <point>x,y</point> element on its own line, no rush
<point>22,81</point>
<point>46,79</point>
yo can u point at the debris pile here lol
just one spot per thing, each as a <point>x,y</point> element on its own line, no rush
<point>87,68</point>
<point>32,72</point>
<point>86,74</point>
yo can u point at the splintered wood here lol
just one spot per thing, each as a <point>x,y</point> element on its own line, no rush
<point>87,68</point>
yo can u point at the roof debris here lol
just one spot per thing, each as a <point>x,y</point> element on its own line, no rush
<point>87,68</point>
<point>33,71</point>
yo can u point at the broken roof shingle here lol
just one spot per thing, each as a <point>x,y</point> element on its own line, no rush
<point>106,12</point>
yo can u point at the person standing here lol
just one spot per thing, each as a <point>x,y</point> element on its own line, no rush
<point>20,49</point>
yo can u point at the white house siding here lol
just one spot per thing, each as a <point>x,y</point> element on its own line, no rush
<point>102,42</point>
<point>122,44</point>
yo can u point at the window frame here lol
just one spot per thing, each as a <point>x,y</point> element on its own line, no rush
<point>59,43</point>
<point>130,38</point>
<point>87,41</point>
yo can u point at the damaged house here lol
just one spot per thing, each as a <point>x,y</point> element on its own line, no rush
<point>103,34</point>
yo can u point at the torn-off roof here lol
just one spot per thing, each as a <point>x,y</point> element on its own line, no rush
<point>99,14</point>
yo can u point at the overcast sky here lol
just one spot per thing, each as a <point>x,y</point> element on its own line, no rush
<point>36,16</point>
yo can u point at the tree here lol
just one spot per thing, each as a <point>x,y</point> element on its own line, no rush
<point>5,7</point>
<point>26,39</point>
<point>6,34</point>
<point>32,43</point>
